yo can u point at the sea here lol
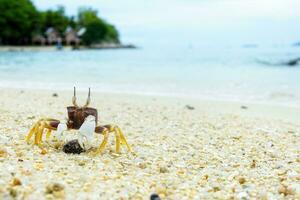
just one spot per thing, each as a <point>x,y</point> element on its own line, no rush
<point>211,50</point>
<point>245,72</point>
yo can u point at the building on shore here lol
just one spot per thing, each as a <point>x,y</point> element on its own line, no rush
<point>39,39</point>
<point>52,36</point>
<point>71,37</point>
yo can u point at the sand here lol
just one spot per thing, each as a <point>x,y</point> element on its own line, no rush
<point>206,150</point>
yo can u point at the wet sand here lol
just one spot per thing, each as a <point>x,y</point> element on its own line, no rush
<point>183,149</point>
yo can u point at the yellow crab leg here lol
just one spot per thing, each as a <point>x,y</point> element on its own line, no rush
<point>118,141</point>
<point>104,142</point>
<point>123,139</point>
<point>38,136</point>
<point>48,134</point>
<point>31,132</point>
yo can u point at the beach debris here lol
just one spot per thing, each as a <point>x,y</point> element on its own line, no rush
<point>73,147</point>
<point>55,95</point>
<point>190,107</point>
<point>154,197</point>
<point>82,118</point>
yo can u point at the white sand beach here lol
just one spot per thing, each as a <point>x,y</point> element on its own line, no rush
<point>206,150</point>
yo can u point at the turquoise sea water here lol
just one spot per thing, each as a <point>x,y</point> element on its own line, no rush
<point>200,49</point>
<point>198,71</point>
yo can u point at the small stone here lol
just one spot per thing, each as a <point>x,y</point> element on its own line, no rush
<point>55,95</point>
<point>142,165</point>
<point>73,147</point>
<point>16,182</point>
<point>189,107</point>
<point>163,169</point>
<point>216,189</point>
<point>242,180</point>
<point>253,164</point>
<point>44,151</point>
<point>285,190</point>
<point>205,177</point>
<point>57,145</point>
<point>3,153</point>
<point>81,163</point>
<point>13,192</point>
<point>154,197</point>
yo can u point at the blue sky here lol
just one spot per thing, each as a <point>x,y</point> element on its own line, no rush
<point>235,21</point>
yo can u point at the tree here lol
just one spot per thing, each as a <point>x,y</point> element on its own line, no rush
<point>56,19</point>
<point>18,21</point>
<point>97,30</point>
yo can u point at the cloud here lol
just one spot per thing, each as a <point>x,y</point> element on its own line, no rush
<point>180,12</point>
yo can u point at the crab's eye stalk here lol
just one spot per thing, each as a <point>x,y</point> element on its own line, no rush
<point>88,101</point>
<point>74,98</point>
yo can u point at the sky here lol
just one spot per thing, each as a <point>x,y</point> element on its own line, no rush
<point>235,21</point>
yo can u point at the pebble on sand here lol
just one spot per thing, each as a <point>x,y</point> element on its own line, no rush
<point>73,147</point>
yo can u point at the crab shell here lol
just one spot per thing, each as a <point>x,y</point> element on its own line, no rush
<point>77,116</point>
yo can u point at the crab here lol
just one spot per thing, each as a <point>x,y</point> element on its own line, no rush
<point>82,118</point>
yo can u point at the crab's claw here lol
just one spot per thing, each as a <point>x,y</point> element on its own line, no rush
<point>61,128</point>
<point>86,131</point>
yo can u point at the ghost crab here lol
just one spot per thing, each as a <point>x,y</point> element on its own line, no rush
<point>84,119</point>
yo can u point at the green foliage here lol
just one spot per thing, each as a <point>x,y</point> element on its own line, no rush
<point>56,19</point>
<point>87,16</point>
<point>97,30</point>
<point>19,21</point>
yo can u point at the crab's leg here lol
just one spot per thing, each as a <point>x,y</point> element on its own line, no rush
<point>120,138</point>
<point>118,141</point>
<point>31,132</point>
<point>48,134</point>
<point>123,139</point>
<point>39,134</point>
<point>104,142</point>
<point>38,129</point>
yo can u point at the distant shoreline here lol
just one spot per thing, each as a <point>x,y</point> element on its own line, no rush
<point>10,48</point>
